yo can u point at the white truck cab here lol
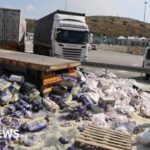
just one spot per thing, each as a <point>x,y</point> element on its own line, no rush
<point>71,37</point>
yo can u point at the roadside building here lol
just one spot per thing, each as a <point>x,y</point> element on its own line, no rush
<point>121,40</point>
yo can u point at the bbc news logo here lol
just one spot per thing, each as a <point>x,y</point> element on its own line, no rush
<point>9,134</point>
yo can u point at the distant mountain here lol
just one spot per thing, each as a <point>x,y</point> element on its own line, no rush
<point>110,26</point>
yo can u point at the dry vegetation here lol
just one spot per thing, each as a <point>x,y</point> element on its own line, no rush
<point>30,25</point>
<point>116,26</point>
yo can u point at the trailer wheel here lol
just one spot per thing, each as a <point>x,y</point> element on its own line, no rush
<point>147,76</point>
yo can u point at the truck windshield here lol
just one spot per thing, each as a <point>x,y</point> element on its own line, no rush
<point>74,37</point>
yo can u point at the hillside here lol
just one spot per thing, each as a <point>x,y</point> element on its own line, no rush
<point>31,23</point>
<point>110,26</point>
<point>116,26</point>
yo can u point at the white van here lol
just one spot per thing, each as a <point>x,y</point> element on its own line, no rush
<point>146,61</point>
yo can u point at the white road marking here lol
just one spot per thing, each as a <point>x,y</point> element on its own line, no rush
<point>122,71</point>
<point>135,65</point>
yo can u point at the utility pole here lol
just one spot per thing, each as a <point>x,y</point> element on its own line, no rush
<point>117,14</point>
<point>145,3</point>
<point>65,5</point>
<point>144,18</point>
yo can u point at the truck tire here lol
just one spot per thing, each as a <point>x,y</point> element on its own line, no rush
<point>51,53</point>
<point>35,49</point>
<point>147,76</point>
<point>21,48</point>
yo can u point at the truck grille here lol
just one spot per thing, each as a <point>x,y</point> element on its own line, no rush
<point>70,53</point>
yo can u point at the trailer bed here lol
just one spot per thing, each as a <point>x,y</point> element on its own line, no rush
<point>36,62</point>
<point>43,71</point>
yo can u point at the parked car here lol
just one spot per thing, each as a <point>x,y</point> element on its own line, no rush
<point>93,46</point>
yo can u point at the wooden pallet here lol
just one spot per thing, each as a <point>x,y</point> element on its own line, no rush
<point>103,139</point>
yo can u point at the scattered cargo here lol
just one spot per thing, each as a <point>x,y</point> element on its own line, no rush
<point>12,30</point>
<point>99,106</point>
<point>15,111</point>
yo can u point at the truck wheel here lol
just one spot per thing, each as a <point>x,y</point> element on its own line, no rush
<point>147,76</point>
<point>35,49</point>
<point>23,48</point>
<point>50,53</point>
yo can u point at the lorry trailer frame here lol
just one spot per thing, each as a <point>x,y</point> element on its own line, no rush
<point>43,71</point>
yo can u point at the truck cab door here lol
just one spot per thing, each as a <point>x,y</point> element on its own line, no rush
<point>53,42</point>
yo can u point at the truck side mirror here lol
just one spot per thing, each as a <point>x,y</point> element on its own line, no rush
<point>55,34</point>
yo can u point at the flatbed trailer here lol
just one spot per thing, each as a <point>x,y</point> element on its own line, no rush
<point>43,71</point>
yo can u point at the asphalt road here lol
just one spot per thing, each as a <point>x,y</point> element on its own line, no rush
<point>111,57</point>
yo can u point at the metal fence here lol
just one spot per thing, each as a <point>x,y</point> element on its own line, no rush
<point>126,42</point>
<point>117,67</point>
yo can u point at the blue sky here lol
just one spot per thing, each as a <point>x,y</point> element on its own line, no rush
<point>39,8</point>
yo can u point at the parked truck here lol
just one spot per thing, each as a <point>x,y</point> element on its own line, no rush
<point>62,34</point>
<point>12,29</point>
